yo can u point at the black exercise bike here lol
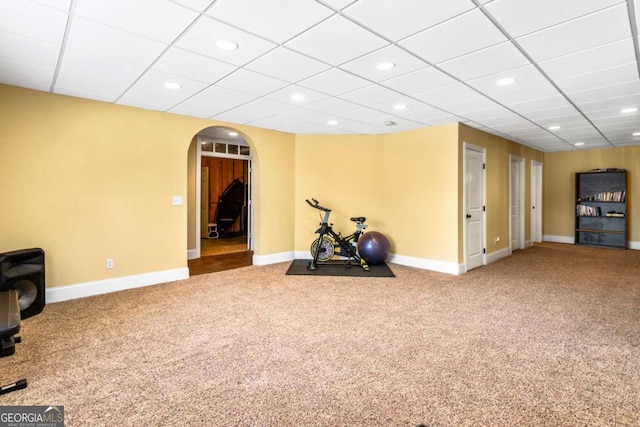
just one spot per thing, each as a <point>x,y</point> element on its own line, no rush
<point>329,243</point>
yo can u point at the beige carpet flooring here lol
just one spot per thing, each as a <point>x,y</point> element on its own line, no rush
<point>549,336</point>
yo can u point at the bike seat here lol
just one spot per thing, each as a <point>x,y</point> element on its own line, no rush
<point>358,219</point>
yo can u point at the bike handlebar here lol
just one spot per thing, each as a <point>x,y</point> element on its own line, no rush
<point>316,205</point>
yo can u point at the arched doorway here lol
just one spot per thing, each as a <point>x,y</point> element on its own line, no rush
<point>220,203</point>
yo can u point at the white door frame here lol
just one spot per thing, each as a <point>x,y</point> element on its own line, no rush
<point>536,202</point>
<point>199,155</point>
<point>468,146</point>
<point>520,189</point>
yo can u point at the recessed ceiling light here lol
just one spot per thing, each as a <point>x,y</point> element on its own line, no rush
<point>233,133</point>
<point>297,97</point>
<point>629,110</point>
<point>506,81</point>
<point>390,123</point>
<point>172,85</point>
<point>332,122</point>
<point>400,107</point>
<point>579,144</point>
<point>226,45</point>
<point>385,66</point>
<point>635,134</point>
<point>553,127</point>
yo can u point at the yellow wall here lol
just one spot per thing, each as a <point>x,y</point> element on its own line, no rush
<point>87,181</point>
<point>403,183</point>
<point>498,151</point>
<point>559,186</point>
<point>421,192</point>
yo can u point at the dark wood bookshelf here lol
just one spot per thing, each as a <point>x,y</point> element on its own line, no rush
<point>601,208</point>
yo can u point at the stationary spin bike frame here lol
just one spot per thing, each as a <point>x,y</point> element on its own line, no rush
<point>329,243</point>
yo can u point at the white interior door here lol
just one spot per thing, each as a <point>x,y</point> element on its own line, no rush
<point>516,203</point>
<point>474,207</point>
<point>536,201</point>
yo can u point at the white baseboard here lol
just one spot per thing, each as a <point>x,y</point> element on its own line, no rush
<point>499,254</point>
<point>192,254</point>
<point>81,290</point>
<point>559,239</point>
<point>273,258</point>
<point>427,264</point>
<point>633,245</point>
<point>528,243</point>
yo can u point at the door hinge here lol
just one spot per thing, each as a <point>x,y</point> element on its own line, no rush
<point>484,209</point>
<point>484,250</point>
<point>484,166</point>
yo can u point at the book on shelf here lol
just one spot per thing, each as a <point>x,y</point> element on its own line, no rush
<point>607,196</point>
<point>586,210</point>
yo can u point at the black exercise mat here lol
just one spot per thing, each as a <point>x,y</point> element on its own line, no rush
<point>338,268</point>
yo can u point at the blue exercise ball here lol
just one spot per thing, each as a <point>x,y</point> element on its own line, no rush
<point>374,247</point>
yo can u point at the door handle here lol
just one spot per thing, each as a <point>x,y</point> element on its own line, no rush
<point>468,216</point>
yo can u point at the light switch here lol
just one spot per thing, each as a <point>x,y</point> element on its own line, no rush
<point>177,200</point>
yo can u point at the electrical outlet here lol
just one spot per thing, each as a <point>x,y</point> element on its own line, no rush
<point>496,240</point>
<point>109,263</point>
<point>176,200</point>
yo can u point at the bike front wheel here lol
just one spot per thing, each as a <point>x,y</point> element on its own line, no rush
<point>325,249</point>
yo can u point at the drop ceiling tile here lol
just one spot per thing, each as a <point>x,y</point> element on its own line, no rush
<point>202,37</point>
<point>531,92</point>
<point>598,79</point>
<point>420,81</point>
<point>524,76</point>
<point>247,81</point>
<point>162,21</point>
<point>212,101</point>
<point>363,114</point>
<point>304,115</point>
<point>606,92</point>
<point>20,73</point>
<point>365,66</point>
<point>241,115</point>
<point>99,70</point>
<point>86,86</point>
<point>448,95</point>
<point>198,5</point>
<point>389,107</point>
<point>598,58</point>
<point>272,122</point>
<point>520,17</point>
<point>338,4</point>
<point>270,106</point>
<point>370,95</point>
<point>444,120</point>
<point>401,18</point>
<point>334,82</point>
<point>33,20</point>
<point>192,65</point>
<point>613,104</point>
<point>62,5</point>
<point>285,95</point>
<point>277,64</point>
<point>28,50</point>
<point>336,41</point>
<point>550,112</point>
<point>476,103</point>
<point>291,18</point>
<point>499,58</point>
<point>427,115</point>
<point>102,40</point>
<point>149,91</point>
<point>480,116</point>
<point>509,119</point>
<point>459,36</point>
<point>333,106</point>
<point>579,34</point>
<point>527,106</point>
